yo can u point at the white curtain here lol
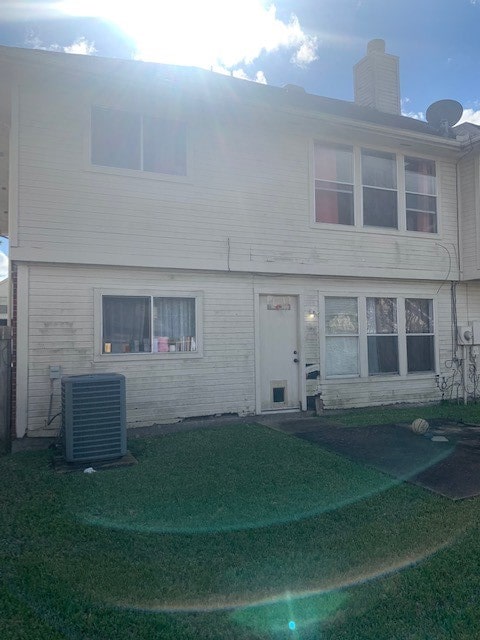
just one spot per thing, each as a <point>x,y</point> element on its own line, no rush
<point>174,318</point>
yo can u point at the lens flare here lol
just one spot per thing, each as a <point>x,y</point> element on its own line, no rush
<point>337,586</point>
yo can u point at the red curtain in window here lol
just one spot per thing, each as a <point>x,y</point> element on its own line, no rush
<point>424,219</point>
<point>326,200</point>
<point>423,222</point>
<point>326,206</point>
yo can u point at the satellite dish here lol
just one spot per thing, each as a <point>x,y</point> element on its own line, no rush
<point>444,114</point>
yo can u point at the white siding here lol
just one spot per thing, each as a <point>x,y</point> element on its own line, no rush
<point>61,302</point>
<point>468,189</point>
<point>246,204</point>
<point>4,295</point>
<point>62,332</point>
<point>240,222</point>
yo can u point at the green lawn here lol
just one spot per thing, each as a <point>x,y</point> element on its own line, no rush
<point>237,532</point>
<point>469,413</point>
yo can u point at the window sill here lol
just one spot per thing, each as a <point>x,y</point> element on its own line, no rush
<point>376,378</point>
<point>136,173</point>
<point>374,230</point>
<point>143,357</point>
<point>421,374</point>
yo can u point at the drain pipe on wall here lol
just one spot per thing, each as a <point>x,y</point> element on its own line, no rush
<point>465,373</point>
<point>460,269</point>
<point>55,374</point>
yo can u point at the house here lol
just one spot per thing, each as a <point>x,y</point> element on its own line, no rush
<point>232,247</point>
<point>3,302</point>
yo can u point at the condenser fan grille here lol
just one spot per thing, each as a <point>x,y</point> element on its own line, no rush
<point>93,411</point>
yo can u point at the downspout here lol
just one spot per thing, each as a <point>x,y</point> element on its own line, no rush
<point>460,260</point>
<point>460,279</point>
<point>459,222</point>
<point>465,352</point>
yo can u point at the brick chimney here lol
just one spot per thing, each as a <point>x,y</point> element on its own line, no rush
<point>376,79</point>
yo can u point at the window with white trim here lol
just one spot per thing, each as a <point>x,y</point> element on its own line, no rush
<point>149,324</point>
<point>378,336</point>
<point>341,336</point>
<point>382,336</point>
<point>128,140</point>
<point>420,334</point>
<point>421,195</point>
<point>366,188</point>
<point>334,184</point>
<point>379,190</point>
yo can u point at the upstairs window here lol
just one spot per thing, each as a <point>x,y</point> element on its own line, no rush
<point>421,195</point>
<point>379,179</point>
<point>334,184</point>
<point>382,336</point>
<point>380,200</point>
<point>128,140</point>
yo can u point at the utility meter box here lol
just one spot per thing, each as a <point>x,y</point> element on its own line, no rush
<point>476,331</point>
<point>465,335</point>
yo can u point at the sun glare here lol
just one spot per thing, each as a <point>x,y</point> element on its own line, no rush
<point>214,34</point>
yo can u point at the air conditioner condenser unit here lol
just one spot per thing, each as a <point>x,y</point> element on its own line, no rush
<point>94,417</point>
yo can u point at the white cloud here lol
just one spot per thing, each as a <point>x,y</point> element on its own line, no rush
<point>212,34</point>
<point>260,77</point>
<point>3,266</point>
<point>241,73</point>
<point>306,54</point>
<point>80,46</point>
<point>416,115</point>
<point>470,115</point>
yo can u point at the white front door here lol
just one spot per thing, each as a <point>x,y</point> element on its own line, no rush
<point>279,353</point>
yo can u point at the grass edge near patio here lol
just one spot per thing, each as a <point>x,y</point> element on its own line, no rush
<point>400,413</point>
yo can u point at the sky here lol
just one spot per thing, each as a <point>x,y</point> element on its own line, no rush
<point>311,43</point>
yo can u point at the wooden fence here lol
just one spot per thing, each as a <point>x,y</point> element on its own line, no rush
<point>5,388</point>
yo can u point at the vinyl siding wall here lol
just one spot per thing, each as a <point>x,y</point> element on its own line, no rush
<point>62,332</point>
<point>241,221</point>
<point>245,205</point>
<point>4,294</point>
<point>61,301</point>
<point>469,212</point>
